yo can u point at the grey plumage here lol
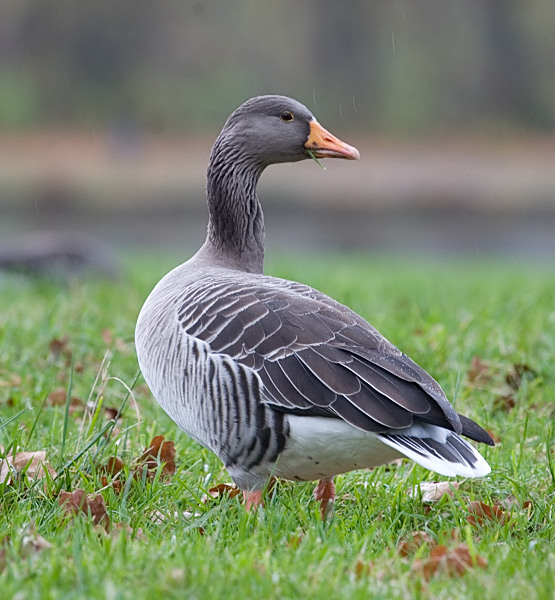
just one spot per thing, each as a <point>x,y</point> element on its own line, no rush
<point>255,367</point>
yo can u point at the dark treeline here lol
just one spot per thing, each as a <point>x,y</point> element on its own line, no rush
<point>404,66</point>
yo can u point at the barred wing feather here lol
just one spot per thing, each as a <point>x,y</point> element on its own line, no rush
<point>315,356</point>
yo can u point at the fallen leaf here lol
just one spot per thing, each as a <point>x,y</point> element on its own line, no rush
<point>362,568</point>
<point>111,412</point>
<point>454,562</point>
<point>505,402</point>
<point>58,346</point>
<point>494,436</point>
<point>57,397</point>
<point>295,540</point>
<point>518,372</point>
<point>33,464</point>
<point>480,371</point>
<point>116,484</point>
<point>79,502</point>
<point>432,491</point>
<point>417,539</point>
<point>455,534</point>
<point>161,452</point>
<point>479,513</point>
<point>228,490</point>
<point>107,337</point>
<point>113,466</point>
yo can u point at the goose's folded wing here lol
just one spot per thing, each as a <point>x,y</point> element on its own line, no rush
<point>317,357</point>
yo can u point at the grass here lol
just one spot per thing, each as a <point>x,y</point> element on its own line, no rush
<point>442,314</point>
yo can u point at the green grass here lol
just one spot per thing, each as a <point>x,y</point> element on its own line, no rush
<point>442,314</point>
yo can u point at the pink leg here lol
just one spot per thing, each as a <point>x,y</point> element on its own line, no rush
<point>252,500</point>
<point>325,493</point>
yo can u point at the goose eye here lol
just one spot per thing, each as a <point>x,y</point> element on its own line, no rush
<point>286,116</point>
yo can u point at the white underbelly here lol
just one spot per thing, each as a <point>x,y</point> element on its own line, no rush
<point>321,447</point>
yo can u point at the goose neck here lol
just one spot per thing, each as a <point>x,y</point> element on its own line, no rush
<point>236,222</point>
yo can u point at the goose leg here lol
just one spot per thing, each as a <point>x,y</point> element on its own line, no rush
<point>325,493</point>
<point>255,499</point>
<point>252,500</point>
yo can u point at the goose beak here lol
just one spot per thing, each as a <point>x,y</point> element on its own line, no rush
<point>322,144</point>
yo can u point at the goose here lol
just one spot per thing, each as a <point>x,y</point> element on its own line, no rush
<point>273,376</point>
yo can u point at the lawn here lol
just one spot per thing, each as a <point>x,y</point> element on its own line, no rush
<point>484,329</point>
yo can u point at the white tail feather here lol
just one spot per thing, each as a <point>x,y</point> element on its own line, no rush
<point>439,450</point>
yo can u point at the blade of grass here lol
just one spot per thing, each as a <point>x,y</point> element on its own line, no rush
<point>311,154</point>
<point>16,416</point>
<point>66,413</point>
<point>38,414</point>
<point>548,453</point>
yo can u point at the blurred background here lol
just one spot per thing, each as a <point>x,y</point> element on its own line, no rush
<point>108,111</point>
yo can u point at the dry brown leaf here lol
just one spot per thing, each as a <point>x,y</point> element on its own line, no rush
<point>59,346</point>
<point>92,406</point>
<point>505,402</point>
<point>228,490</point>
<point>454,562</point>
<point>518,372</point>
<point>494,436</point>
<point>161,452</point>
<point>480,371</point>
<point>111,412</point>
<point>417,539</point>
<point>107,337</point>
<point>295,540</point>
<point>432,491</point>
<point>79,502</point>
<point>455,535</point>
<point>511,502</point>
<point>362,568</point>
<point>116,484</point>
<point>111,470</point>
<point>57,397</point>
<point>481,512</point>
<point>508,379</point>
<point>113,466</point>
<point>33,464</point>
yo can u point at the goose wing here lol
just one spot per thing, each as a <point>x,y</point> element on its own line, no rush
<point>316,356</point>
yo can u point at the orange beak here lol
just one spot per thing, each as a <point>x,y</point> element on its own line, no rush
<point>322,144</point>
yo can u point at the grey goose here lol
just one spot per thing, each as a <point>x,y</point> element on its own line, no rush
<point>273,376</point>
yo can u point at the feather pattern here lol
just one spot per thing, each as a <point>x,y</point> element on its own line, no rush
<point>274,376</point>
<point>263,363</point>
